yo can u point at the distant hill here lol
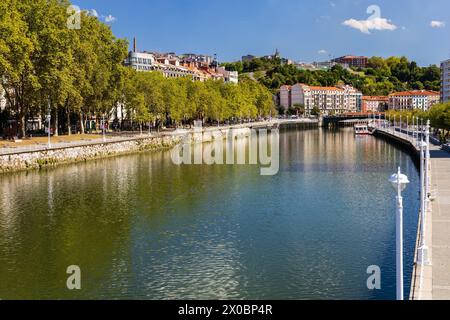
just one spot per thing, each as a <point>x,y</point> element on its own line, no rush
<point>381,77</point>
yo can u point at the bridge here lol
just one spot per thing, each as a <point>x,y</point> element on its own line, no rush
<point>351,118</point>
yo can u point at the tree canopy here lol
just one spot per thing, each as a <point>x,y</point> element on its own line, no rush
<point>78,75</point>
<point>381,77</point>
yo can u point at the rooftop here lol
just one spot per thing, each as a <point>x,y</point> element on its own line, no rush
<point>415,93</point>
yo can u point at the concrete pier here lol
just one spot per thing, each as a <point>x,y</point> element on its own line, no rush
<point>435,284</point>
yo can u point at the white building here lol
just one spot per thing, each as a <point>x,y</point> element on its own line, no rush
<point>328,100</point>
<point>416,99</point>
<point>168,65</point>
<point>285,97</point>
<point>228,76</point>
<point>172,67</point>
<point>445,81</point>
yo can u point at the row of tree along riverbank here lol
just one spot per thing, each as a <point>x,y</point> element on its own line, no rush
<point>77,76</point>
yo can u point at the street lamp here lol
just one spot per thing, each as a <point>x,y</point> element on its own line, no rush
<point>399,182</point>
<point>423,249</point>
<point>103,127</point>
<point>49,121</point>
<point>427,159</point>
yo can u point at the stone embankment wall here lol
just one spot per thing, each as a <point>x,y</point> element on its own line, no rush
<point>45,158</point>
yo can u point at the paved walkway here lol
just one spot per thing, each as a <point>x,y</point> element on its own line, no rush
<point>436,277</point>
<point>440,162</point>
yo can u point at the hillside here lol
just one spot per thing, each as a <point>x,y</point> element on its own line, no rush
<point>381,77</point>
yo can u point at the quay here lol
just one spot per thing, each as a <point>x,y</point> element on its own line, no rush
<point>36,156</point>
<point>431,282</point>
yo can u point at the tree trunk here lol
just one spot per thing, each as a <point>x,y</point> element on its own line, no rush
<point>69,127</point>
<point>56,123</point>
<point>81,122</point>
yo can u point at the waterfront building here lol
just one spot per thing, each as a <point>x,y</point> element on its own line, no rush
<point>375,103</point>
<point>329,100</point>
<point>352,61</point>
<point>445,81</point>
<point>415,99</point>
<point>285,96</point>
<point>197,67</point>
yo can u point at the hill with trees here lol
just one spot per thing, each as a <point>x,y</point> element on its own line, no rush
<point>381,77</point>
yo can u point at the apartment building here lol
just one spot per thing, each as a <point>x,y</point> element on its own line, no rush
<point>285,96</point>
<point>197,67</point>
<point>228,76</point>
<point>375,103</point>
<point>352,61</point>
<point>329,100</point>
<point>445,81</point>
<point>416,99</point>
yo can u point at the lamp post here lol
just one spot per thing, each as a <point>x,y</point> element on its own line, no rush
<point>414,127</point>
<point>427,160</point>
<point>103,127</point>
<point>407,127</point>
<point>399,182</point>
<point>423,249</point>
<point>427,166</point>
<point>393,124</point>
<point>49,118</point>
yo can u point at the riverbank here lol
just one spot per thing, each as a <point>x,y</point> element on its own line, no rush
<point>40,156</point>
<point>431,281</point>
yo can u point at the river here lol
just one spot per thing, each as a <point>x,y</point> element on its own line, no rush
<point>140,227</point>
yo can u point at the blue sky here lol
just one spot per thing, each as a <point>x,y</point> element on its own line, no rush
<point>303,30</point>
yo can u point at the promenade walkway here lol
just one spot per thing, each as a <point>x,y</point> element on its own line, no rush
<point>436,277</point>
<point>440,166</point>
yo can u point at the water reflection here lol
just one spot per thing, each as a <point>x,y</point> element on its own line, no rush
<point>141,227</point>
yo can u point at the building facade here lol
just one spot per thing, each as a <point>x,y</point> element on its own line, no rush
<point>445,81</point>
<point>329,100</point>
<point>352,61</point>
<point>285,97</point>
<point>197,67</point>
<point>416,99</point>
<point>228,76</point>
<point>375,103</point>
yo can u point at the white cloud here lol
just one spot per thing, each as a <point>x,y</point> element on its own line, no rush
<point>365,26</point>
<point>323,51</point>
<point>437,24</point>
<point>110,19</point>
<point>93,12</point>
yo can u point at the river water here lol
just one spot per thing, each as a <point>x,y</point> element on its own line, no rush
<point>140,227</point>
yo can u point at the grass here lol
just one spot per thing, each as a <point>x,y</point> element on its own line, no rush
<point>44,140</point>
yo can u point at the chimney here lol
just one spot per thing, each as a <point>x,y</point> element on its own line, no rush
<point>134,44</point>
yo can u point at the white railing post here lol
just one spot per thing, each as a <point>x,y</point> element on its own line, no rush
<point>427,167</point>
